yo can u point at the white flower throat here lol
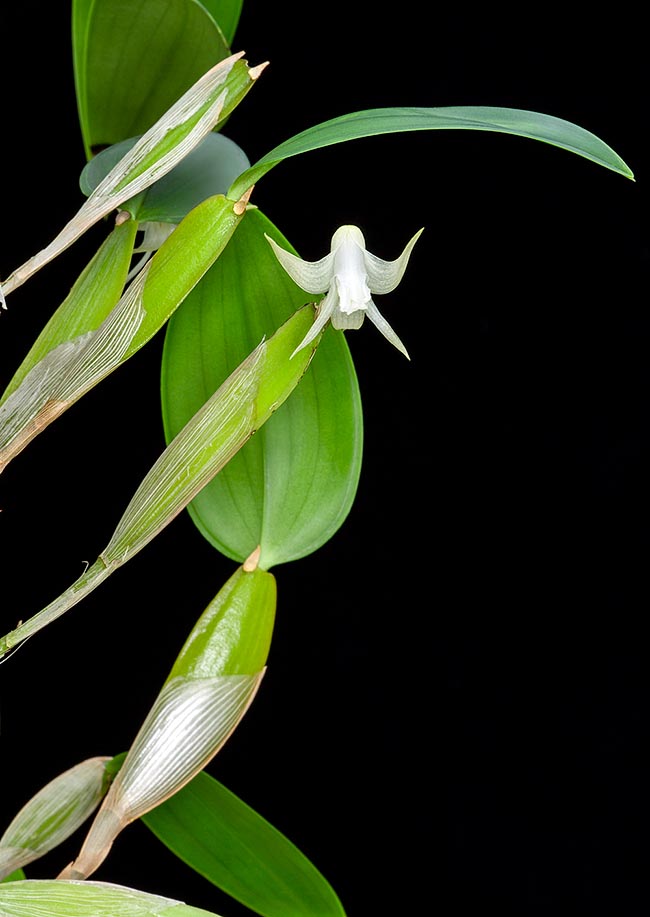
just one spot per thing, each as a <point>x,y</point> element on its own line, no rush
<point>348,275</point>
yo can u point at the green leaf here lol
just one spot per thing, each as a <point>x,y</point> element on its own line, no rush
<point>182,260</point>
<point>237,410</point>
<point>91,298</point>
<point>208,690</point>
<point>53,814</point>
<point>59,898</point>
<point>376,121</point>
<point>74,354</point>
<point>226,14</point>
<point>134,58</point>
<point>189,120</point>
<point>14,876</point>
<point>228,843</point>
<point>233,635</point>
<point>293,484</point>
<point>209,169</point>
<point>43,386</point>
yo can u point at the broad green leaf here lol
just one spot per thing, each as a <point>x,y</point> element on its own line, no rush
<point>209,169</point>
<point>173,137</point>
<point>59,898</point>
<point>134,58</point>
<point>237,410</point>
<point>376,121</point>
<point>228,843</point>
<point>293,484</point>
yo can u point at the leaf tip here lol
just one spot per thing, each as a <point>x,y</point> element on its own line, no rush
<point>251,562</point>
<point>240,206</point>
<point>255,72</point>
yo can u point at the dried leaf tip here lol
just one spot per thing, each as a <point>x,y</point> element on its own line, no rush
<point>251,562</point>
<point>254,72</point>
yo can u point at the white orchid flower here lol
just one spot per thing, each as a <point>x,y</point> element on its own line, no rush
<point>349,275</point>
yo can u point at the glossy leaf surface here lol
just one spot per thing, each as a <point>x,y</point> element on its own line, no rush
<point>224,840</point>
<point>293,484</point>
<point>372,122</point>
<point>134,58</point>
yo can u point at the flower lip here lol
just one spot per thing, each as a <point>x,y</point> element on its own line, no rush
<point>348,276</point>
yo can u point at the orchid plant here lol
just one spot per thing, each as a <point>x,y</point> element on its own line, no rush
<point>177,198</point>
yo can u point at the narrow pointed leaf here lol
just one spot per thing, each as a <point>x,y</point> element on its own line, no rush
<point>133,60</point>
<point>67,372</point>
<point>91,298</point>
<point>208,690</point>
<point>182,260</point>
<point>185,728</point>
<point>53,814</point>
<point>222,838</point>
<point>165,144</point>
<point>241,405</point>
<point>60,898</point>
<point>293,484</point>
<point>372,122</point>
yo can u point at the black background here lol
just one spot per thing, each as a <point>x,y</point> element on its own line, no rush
<point>455,713</point>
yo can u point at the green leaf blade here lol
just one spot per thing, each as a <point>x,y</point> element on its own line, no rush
<point>134,59</point>
<point>518,122</point>
<point>223,839</point>
<point>238,409</point>
<point>91,298</point>
<point>226,14</point>
<point>293,484</point>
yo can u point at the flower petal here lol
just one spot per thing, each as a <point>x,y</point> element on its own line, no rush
<point>311,276</point>
<point>325,310</point>
<point>348,321</point>
<point>378,319</point>
<point>384,276</point>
